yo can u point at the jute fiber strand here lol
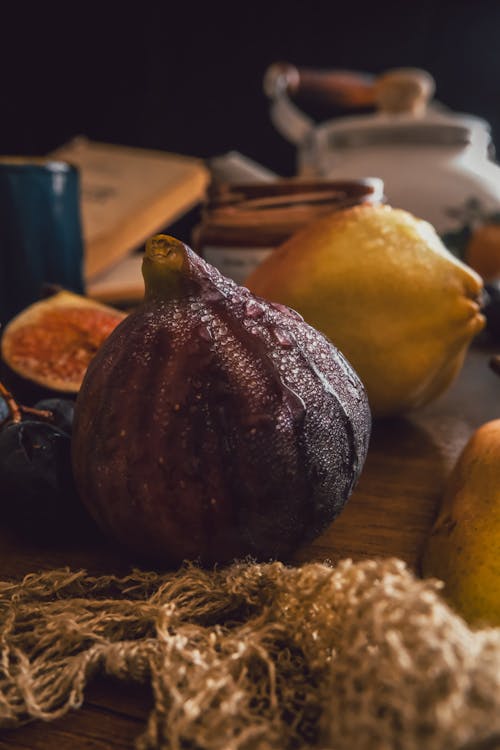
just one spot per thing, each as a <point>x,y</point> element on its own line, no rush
<point>362,655</point>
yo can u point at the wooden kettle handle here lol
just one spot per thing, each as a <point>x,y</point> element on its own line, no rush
<point>337,88</point>
<point>398,90</point>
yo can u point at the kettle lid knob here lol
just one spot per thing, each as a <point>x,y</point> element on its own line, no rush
<point>404,90</point>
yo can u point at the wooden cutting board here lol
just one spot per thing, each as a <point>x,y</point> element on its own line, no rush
<point>127,194</point>
<point>389,514</point>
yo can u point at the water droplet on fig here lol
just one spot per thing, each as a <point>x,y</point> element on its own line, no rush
<point>282,337</point>
<point>213,294</point>
<point>253,309</point>
<point>203,332</point>
<point>286,310</point>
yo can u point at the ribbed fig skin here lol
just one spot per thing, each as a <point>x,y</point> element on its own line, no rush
<point>217,425</point>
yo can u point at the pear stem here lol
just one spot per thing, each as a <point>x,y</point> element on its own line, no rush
<point>164,267</point>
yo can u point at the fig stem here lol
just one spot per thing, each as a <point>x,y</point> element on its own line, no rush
<point>164,268</point>
<point>12,405</point>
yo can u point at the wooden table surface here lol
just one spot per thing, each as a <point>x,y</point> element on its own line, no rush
<point>389,514</point>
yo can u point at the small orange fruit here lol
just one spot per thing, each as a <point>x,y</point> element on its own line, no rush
<point>483,251</point>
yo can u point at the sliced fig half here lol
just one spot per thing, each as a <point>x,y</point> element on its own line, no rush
<point>52,342</point>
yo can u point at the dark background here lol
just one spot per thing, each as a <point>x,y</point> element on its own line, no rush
<point>187,77</point>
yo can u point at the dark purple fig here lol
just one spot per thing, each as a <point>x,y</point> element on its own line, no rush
<point>213,424</point>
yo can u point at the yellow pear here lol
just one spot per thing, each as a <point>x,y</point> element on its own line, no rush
<point>464,547</point>
<point>381,285</point>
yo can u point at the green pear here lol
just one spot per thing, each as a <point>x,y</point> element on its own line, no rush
<point>463,549</point>
<point>380,284</point>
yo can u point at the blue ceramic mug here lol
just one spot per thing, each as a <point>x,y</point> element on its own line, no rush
<point>40,231</point>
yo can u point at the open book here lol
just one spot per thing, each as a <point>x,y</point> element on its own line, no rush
<point>127,195</point>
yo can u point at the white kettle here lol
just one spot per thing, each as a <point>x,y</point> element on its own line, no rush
<point>435,163</point>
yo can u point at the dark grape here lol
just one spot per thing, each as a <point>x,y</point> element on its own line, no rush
<point>37,491</point>
<point>63,410</point>
<point>4,411</point>
<point>491,309</point>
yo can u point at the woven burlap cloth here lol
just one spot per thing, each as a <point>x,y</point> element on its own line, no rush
<point>360,655</point>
